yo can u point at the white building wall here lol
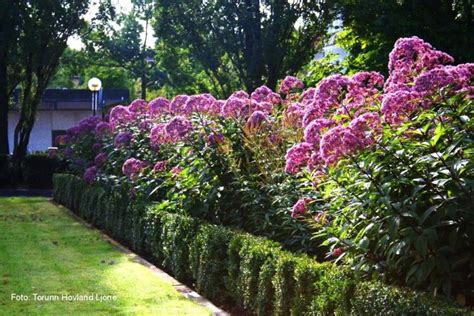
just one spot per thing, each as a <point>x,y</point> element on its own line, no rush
<point>45,123</point>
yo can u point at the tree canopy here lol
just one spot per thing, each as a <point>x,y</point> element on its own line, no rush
<point>115,41</point>
<point>372,27</point>
<point>238,44</point>
<point>39,32</point>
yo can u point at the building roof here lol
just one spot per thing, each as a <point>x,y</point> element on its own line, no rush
<point>76,99</point>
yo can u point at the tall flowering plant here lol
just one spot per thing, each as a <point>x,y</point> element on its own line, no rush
<point>392,169</point>
<point>379,169</point>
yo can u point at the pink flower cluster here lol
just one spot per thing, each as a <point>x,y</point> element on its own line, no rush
<point>132,167</point>
<point>290,84</point>
<point>90,174</point>
<point>300,207</point>
<point>123,139</point>
<point>345,114</point>
<point>409,58</point>
<point>256,119</point>
<point>160,166</point>
<point>175,130</point>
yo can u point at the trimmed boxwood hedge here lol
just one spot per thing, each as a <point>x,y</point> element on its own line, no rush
<point>233,267</point>
<point>38,170</point>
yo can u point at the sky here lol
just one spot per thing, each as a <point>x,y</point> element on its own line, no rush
<point>123,6</point>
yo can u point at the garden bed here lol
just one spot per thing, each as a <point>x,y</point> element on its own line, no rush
<point>235,268</point>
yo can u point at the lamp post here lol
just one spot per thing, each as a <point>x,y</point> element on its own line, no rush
<point>94,85</point>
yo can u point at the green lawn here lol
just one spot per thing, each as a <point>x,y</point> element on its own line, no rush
<point>45,251</point>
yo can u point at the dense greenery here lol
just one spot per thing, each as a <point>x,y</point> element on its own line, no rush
<point>241,44</point>
<point>237,268</point>
<point>371,28</point>
<point>81,66</point>
<point>47,252</point>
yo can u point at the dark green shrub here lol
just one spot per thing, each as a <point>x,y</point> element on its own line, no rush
<point>307,274</point>
<point>38,170</point>
<point>208,260</point>
<point>255,252</point>
<point>377,298</point>
<point>333,290</point>
<point>177,234</point>
<point>266,291</point>
<point>284,283</point>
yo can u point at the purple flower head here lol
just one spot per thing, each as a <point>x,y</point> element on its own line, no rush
<point>158,136</point>
<point>297,156</point>
<point>73,132</point>
<point>300,207</point>
<point>100,159</point>
<point>178,104</point>
<point>85,126</point>
<point>234,106</point>
<point>239,95</point>
<point>410,57</point>
<point>315,161</point>
<point>103,128</point>
<point>364,128</point>
<point>159,106</point>
<point>123,139</point>
<point>138,106</point>
<point>132,167</point>
<point>263,106</point>
<point>145,125</point>
<point>332,145</point>
<point>265,94</point>
<point>294,115</point>
<point>90,174</point>
<point>260,94</point>
<point>308,95</point>
<point>177,128</point>
<point>290,83</point>
<point>202,103</point>
<point>120,115</point>
<point>399,105</point>
<point>256,119</point>
<point>457,77</point>
<point>330,92</point>
<point>160,166</point>
<point>369,79</point>
<point>312,132</point>
<point>312,114</point>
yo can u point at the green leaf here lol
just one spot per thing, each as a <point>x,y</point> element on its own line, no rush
<point>438,133</point>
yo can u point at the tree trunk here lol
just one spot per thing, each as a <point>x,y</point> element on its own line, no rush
<point>143,86</point>
<point>4,148</point>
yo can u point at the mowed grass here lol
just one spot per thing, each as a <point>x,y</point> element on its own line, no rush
<point>45,251</point>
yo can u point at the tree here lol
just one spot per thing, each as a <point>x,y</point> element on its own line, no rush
<point>371,28</point>
<point>122,47</point>
<point>241,43</point>
<point>45,27</point>
<point>10,74</point>
<point>78,63</point>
